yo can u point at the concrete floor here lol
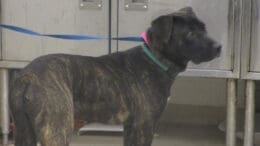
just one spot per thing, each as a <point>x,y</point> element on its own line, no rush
<point>189,126</point>
<point>173,135</point>
<point>178,135</point>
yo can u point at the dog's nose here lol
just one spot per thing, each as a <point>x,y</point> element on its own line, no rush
<point>217,48</point>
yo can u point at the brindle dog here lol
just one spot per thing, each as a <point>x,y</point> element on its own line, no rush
<point>128,87</point>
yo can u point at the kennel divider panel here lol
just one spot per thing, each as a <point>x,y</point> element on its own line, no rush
<point>51,17</point>
<point>222,19</point>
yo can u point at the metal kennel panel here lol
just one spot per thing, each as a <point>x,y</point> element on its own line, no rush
<point>250,68</point>
<point>222,19</point>
<point>53,17</point>
<point>255,38</point>
<point>250,63</point>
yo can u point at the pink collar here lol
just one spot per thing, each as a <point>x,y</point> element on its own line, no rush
<point>144,36</point>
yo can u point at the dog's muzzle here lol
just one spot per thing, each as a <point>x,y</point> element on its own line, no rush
<point>217,47</point>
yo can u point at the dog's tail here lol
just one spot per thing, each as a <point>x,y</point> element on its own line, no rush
<point>23,131</point>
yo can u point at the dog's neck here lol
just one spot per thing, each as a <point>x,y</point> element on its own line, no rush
<point>166,65</point>
<point>152,56</point>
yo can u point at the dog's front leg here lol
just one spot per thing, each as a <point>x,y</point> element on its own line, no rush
<point>138,133</point>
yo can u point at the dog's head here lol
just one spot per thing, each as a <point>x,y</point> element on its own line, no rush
<point>181,37</point>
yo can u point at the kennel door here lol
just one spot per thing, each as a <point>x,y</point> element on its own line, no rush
<point>217,15</point>
<point>53,17</point>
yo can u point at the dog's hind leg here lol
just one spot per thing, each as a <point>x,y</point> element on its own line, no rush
<point>55,133</point>
<point>55,125</point>
<point>51,135</point>
<point>24,133</point>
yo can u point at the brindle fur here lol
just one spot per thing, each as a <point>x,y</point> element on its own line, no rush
<point>125,87</point>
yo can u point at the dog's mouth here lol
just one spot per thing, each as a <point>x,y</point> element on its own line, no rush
<point>218,48</point>
<point>217,54</point>
<point>197,62</point>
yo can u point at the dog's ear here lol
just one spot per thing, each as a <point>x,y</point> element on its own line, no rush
<point>162,27</point>
<point>187,11</point>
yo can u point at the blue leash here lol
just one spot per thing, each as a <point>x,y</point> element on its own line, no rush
<point>67,36</point>
<point>88,37</point>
